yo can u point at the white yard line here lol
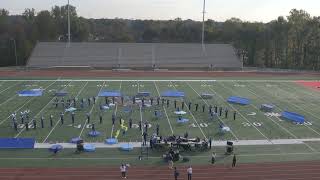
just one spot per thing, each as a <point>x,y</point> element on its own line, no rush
<point>165,111</point>
<point>53,128</point>
<point>22,106</point>
<point>36,115</point>
<point>85,123</point>
<point>115,112</point>
<point>159,80</point>
<point>208,105</point>
<point>272,121</point>
<point>194,119</point>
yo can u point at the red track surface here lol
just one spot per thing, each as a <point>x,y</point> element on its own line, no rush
<point>98,73</point>
<point>274,171</point>
<point>313,85</point>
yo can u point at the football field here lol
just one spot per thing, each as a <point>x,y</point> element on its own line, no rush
<point>251,123</point>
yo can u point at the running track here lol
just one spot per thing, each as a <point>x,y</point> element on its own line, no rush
<point>270,171</point>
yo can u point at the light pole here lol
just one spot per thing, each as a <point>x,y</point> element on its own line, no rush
<point>15,50</point>
<point>203,16</point>
<point>69,38</point>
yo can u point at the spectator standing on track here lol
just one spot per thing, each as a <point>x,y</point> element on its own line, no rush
<point>176,173</point>
<point>189,172</point>
<point>170,160</point>
<point>123,170</point>
<point>234,161</point>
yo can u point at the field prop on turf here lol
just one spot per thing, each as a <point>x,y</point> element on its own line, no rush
<point>292,116</point>
<point>31,93</point>
<point>17,143</point>
<point>238,100</point>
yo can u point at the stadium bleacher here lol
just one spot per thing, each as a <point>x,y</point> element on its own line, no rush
<point>134,55</point>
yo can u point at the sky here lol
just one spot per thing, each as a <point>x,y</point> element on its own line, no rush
<point>219,10</point>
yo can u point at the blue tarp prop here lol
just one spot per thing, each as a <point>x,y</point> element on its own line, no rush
<point>17,143</point>
<point>143,94</point>
<point>295,117</point>
<point>75,140</point>
<point>172,94</point>
<point>111,141</point>
<point>266,107</point>
<point>30,93</point>
<point>61,93</point>
<point>56,148</point>
<point>182,121</point>
<point>89,148</point>
<point>238,100</point>
<point>109,94</point>
<point>94,133</point>
<point>126,147</point>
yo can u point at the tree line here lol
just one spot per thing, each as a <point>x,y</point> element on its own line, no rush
<point>287,42</point>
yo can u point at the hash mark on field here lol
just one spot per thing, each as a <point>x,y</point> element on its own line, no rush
<point>208,105</point>
<point>45,139</point>
<point>165,111</point>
